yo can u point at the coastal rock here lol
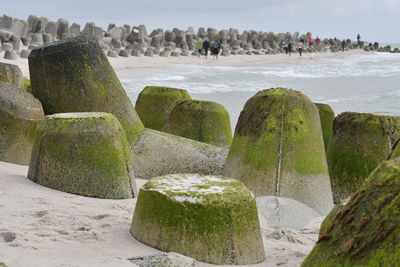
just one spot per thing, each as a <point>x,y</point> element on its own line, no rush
<point>47,38</point>
<point>75,29</point>
<point>278,149</point>
<point>158,153</point>
<point>204,121</point>
<point>135,53</point>
<point>154,103</point>
<point>124,53</point>
<point>112,53</point>
<point>10,54</point>
<point>25,53</point>
<point>10,73</point>
<point>63,27</point>
<point>51,28</point>
<point>359,143</point>
<point>175,54</point>
<point>74,75</point>
<point>149,52</point>
<point>20,112</point>
<point>83,153</point>
<point>7,46</point>
<point>212,219</point>
<point>326,115</point>
<point>37,38</point>
<point>365,231</point>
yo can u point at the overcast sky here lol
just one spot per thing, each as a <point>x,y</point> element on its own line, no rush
<point>375,20</point>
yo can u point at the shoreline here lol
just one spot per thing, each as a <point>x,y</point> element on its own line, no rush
<point>122,64</point>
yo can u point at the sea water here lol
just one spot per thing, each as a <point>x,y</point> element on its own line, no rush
<point>360,83</point>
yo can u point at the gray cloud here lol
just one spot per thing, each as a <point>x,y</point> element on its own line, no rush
<point>374,20</point>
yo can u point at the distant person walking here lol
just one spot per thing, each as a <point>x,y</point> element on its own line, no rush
<point>215,48</point>
<point>286,46</point>
<point>343,44</point>
<point>199,46</point>
<point>302,40</point>
<point>358,39</point>
<point>206,47</point>
<point>300,48</point>
<point>317,41</point>
<point>310,40</point>
<point>290,47</point>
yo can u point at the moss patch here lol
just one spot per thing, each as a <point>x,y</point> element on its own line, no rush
<point>364,232</point>
<point>278,147</point>
<point>154,103</point>
<point>211,219</point>
<point>74,75</point>
<point>83,153</point>
<point>204,121</point>
<point>359,143</point>
<point>326,115</point>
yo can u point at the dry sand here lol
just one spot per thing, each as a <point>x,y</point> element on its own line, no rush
<point>121,63</point>
<point>44,227</point>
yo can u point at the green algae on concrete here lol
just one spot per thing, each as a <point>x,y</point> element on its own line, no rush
<point>74,75</point>
<point>20,113</point>
<point>204,121</point>
<point>154,103</point>
<point>83,153</point>
<point>365,231</point>
<point>359,143</point>
<point>158,153</point>
<point>326,115</point>
<point>27,85</point>
<point>212,219</point>
<point>10,73</point>
<point>278,149</point>
<point>2,265</point>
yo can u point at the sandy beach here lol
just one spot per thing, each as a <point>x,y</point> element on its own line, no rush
<point>122,63</point>
<point>53,228</point>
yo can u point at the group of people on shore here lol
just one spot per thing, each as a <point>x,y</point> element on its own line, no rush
<point>203,48</point>
<point>301,46</point>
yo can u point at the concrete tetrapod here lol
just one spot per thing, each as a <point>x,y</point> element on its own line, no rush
<point>74,75</point>
<point>359,143</point>
<point>83,153</point>
<point>212,219</point>
<point>365,231</point>
<point>10,73</point>
<point>204,121</point>
<point>154,103</point>
<point>278,149</point>
<point>326,115</point>
<point>20,113</point>
<point>158,153</point>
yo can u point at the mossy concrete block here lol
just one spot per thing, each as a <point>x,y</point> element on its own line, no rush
<point>158,153</point>
<point>74,75</point>
<point>10,73</point>
<point>278,149</point>
<point>20,113</point>
<point>85,154</point>
<point>366,230</point>
<point>359,143</point>
<point>212,219</point>
<point>154,103</point>
<point>326,115</point>
<point>204,121</point>
<point>27,85</point>
<point>2,265</point>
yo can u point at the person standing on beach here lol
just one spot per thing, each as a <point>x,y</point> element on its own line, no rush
<point>215,48</point>
<point>206,46</point>
<point>310,41</point>
<point>301,48</point>
<point>286,46</point>
<point>199,46</point>
<point>317,41</point>
<point>290,47</point>
<point>358,39</point>
<point>343,44</point>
